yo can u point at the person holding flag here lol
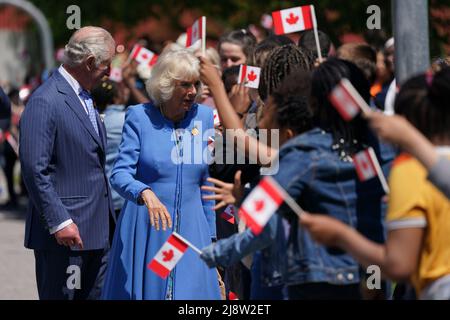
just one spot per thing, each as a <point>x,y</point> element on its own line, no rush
<point>316,170</point>
<point>418,219</point>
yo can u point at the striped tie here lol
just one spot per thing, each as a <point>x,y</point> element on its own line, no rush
<point>90,106</point>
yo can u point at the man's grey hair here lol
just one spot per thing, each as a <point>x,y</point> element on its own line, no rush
<point>88,41</point>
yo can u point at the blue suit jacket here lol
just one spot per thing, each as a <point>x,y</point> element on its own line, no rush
<point>63,167</point>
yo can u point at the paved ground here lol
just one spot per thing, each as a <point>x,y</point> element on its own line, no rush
<point>17,280</point>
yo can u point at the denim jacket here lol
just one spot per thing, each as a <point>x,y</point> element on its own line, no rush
<point>320,182</point>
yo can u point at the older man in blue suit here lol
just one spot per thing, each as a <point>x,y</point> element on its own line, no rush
<point>62,155</point>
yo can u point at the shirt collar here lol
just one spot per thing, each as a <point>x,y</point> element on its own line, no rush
<point>71,80</point>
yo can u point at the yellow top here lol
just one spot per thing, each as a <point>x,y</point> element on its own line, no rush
<point>415,203</point>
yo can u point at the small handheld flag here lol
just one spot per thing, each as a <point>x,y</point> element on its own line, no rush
<point>367,167</point>
<point>228,214</point>
<point>143,55</point>
<point>347,101</point>
<point>116,74</point>
<point>297,19</point>
<point>216,118</point>
<point>170,253</point>
<point>249,76</point>
<point>292,20</point>
<point>197,32</point>
<point>262,203</point>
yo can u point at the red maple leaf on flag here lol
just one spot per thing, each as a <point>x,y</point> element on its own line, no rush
<point>251,76</point>
<point>292,19</point>
<point>144,56</point>
<point>259,205</point>
<point>364,165</point>
<point>168,255</point>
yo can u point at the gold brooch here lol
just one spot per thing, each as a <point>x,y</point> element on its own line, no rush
<point>194,131</point>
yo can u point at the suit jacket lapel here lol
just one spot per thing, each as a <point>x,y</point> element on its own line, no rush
<point>74,103</point>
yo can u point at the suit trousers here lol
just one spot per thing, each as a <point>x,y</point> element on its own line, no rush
<point>70,275</point>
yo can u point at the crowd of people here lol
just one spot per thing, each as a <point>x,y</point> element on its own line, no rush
<point>113,167</point>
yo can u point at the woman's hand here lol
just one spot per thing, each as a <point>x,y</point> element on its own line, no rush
<point>156,210</point>
<point>324,229</point>
<point>226,193</point>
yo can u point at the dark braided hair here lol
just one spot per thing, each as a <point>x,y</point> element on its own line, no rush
<point>292,102</point>
<point>281,62</point>
<point>262,52</point>
<point>425,101</point>
<point>348,137</point>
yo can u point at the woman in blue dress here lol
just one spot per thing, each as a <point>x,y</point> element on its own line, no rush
<point>159,170</point>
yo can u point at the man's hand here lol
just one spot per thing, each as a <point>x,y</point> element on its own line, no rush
<point>69,236</point>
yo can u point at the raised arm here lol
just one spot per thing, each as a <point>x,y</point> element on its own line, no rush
<point>228,116</point>
<point>397,130</point>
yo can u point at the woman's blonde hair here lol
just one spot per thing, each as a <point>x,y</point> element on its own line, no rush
<point>173,64</point>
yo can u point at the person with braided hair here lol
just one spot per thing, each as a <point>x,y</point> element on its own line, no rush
<point>315,169</point>
<point>287,110</point>
<point>418,219</point>
<point>280,62</point>
<point>293,59</point>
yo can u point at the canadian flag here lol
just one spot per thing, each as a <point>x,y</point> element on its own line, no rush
<point>196,32</point>
<point>116,74</point>
<point>366,164</point>
<point>346,100</point>
<point>143,55</point>
<point>216,118</point>
<point>12,142</point>
<point>261,204</point>
<point>228,214</point>
<point>210,143</point>
<point>293,19</point>
<point>249,76</point>
<point>168,256</point>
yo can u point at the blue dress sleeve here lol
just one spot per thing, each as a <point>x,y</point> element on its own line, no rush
<point>124,172</point>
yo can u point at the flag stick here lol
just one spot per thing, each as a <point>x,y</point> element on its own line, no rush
<point>287,198</point>
<point>13,143</point>
<point>361,102</point>
<point>130,55</point>
<point>187,242</point>
<point>316,34</point>
<point>203,36</point>
<point>380,174</point>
